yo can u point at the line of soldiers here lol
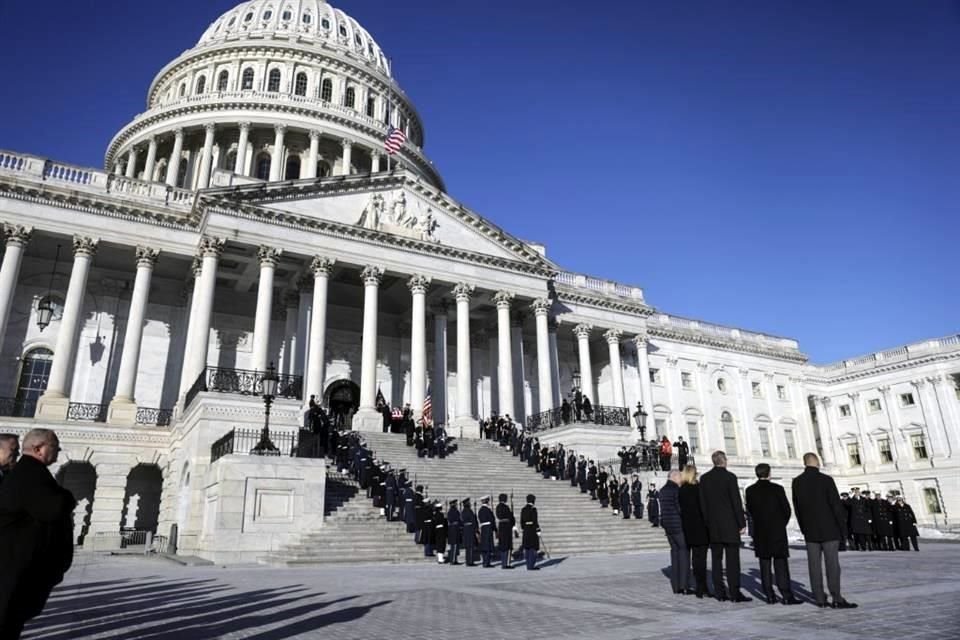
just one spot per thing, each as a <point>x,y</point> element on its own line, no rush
<point>878,524</point>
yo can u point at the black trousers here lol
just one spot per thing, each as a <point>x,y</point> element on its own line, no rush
<point>732,552</point>
<point>905,545</point>
<point>698,556</point>
<point>863,541</point>
<point>781,567</point>
<point>679,561</point>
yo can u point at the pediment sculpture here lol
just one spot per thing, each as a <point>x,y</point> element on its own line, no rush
<point>397,219</point>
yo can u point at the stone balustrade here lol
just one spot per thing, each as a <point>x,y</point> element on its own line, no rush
<point>695,327</point>
<point>900,354</point>
<point>607,287</point>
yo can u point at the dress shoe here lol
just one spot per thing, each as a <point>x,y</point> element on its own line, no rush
<point>722,597</point>
<point>699,594</point>
<point>739,597</point>
<point>843,604</point>
<point>791,600</point>
<point>688,592</point>
<point>771,599</point>
<point>824,605</point>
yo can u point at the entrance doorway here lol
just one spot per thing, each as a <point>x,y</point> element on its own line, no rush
<point>342,399</point>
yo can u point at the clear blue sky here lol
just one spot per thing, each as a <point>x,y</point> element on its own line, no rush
<point>782,166</point>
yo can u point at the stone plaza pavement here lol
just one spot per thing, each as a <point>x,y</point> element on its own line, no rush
<point>620,597</point>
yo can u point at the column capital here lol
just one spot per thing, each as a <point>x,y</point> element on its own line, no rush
<point>210,127</point>
<point>372,275</point>
<point>346,143</point>
<point>854,395</point>
<point>703,366</point>
<point>462,292</point>
<point>268,256</point>
<point>641,340</point>
<point>935,380</point>
<point>178,132</point>
<point>16,234</point>
<point>503,299</point>
<point>673,361</point>
<point>147,256</point>
<point>314,134</point>
<point>322,265</point>
<point>884,389</point>
<point>541,306</point>
<point>825,401</point>
<point>418,284</point>
<point>768,375</point>
<point>744,372</point>
<point>244,126</point>
<point>211,247</point>
<point>582,331</point>
<point>918,383</point>
<point>613,336</point>
<point>280,128</point>
<point>85,246</point>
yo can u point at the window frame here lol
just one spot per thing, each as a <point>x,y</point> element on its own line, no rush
<point>223,80</point>
<point>853,451</point>
<point>904,397</point>
<point>844,410</point>
<point>884,450</point>
<point>301,84</point>
<point>247,79</point>
<point>686,380</point>
<point>918,444</point>
<point>274,80</point>
<point>326,90</point>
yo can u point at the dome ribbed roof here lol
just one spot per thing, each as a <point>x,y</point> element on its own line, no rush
<point>308,21</point>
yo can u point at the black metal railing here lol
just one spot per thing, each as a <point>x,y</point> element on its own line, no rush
<point>87,412</point>
<point>17,408</point>
<point>200,384</point>
<point>599,415</point>
<point>303,444</point>
<point>244,382</point>
<point>544,420</point>
<point>151,416</point>
<point>613,416</point>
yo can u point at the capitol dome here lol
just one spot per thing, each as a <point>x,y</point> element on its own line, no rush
<point>274,90</point>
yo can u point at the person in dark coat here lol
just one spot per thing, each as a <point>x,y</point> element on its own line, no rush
<point>636,493</point>
<point>530,527</point>
<point>592,480</point>
<point>565,411</point>
<point>469,519</point>
<point>769,508</point>
<point>578,405</point>
<point>587,409</point>
<point>454,531</point>
<point>883,523</point>
<point>906,525</point>
<point>9,452</point>
<point>420,512</point>
<point>505,524</point>
<point>672,524</point>
<point>36,533</point>
<point>390,495</point>
<point>683,452</point>
<point>861,521</point>
<point>602,489</point>
<point>625,500</point>
<point>723,512</point>
<point>582,474</point>
<point>427,531</point>
<point>816,504</point>
<point>440,531</point>
<point>653,505</point>
<point>572,468</point>
<point>487,523</point>
<point>694,527</point>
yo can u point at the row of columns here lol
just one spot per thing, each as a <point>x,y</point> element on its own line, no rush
<point>277,157</point>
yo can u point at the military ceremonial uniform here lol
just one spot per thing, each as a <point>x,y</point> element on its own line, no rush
<point>439,532</point>
<point>470,523</point>
<point>488,527</point>
<point>530,526</point>
<point>505,524</point>
<point>454,531</point>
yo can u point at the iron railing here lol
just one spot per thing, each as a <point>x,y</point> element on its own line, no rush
<point>87,412</point>
<point>544,420</point>
<point>154,416</point>
<point>613,416</point>
<point>17,408</point>
<point>303,444</point>
<point>600,415</point>
<point>244,382</point>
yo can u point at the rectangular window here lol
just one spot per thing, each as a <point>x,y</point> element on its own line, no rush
<point>686,379</point>
<point>853,453</point>
<point>919,447</point>
<point>791,444</point>
<point>693,429</point>
<point>655,376</point>
<point>764,442</point>
<point>757,392</point>
<point>844,411</point>
<point>883,445</point>
<point>873,405</point>
<point>371,106</point>
<point>781,392</point>
<point>729,439</point>
<point>932,500</point>
<point>906,400</point>
<point>660,427</point>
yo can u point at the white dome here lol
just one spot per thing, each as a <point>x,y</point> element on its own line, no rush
<point>308,21</point>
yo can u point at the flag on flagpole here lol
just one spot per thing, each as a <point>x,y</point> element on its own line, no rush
<point>427,409</point>
<point>394,141</point>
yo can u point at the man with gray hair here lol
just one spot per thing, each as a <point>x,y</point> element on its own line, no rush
<point>723,513</point>
<point>9,452</point>
<point>36,533</point>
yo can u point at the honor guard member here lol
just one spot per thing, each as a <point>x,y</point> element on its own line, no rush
<point>531,532</point>
<point>488,527</point>
<point>409,512</point>
<point>860,522</point>
<point>469,519</point>
<point>454,531</point>
<point>582,474</point>
<point>602,490</point>
<point>390,495</point>
<point>428,533</point>
<point>505,524</point>
<point>572,468</point>
<point>636,492</point>
<point>653,505</point>
<point>420,514</point>
<point>615,496</point>
<point>439,531</point>
<point>906,525</point>
<point>592,480</point>
<point>625,499</point>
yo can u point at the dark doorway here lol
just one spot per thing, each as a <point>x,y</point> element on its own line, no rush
<point>141,502</point>
<point>342,399</point>
<point>80,479</point>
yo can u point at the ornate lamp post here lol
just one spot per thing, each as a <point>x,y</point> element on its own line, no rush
<point>576,380</point>
<point>269,384</point>
<point>641,417</point>
<point>45,306</point>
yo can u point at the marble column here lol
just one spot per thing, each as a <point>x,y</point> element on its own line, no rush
<point>151,161</point>
<point>616,368</point>
<point>314,155</point>
<point>291,309</point>
<point>123,407</point>
<point>173,167</point>
<point>198,338</point>
<point>16,238</point>
<point>304,318</point>
<point>276,155</point>
<point>54,402</point>
<point>522,403</point>
<point>468,425</point>
<point>822,409</point>
<point>582,331</point>
<point>367,418</point>
<point>374,161</point>
<point>241,161</point>
<point>643,364</point>
<point>131,163</point>
<point>505,357</point>
<point>206,157</point>
<point>439,395</point>
<point>943,389</point>
<point>268,257</point>
<point>347,160</point>
<point>316,355</point>
<point>554,362</point>
<point>418,285</point>
<point>541,311</point>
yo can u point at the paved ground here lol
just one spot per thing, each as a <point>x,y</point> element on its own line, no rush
<point>623,597</point>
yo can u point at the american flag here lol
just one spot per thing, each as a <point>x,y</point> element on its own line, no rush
<point>427,409</point>
<point>395,139</point>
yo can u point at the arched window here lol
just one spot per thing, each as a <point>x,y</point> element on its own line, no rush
<point>343,30</point>
<point>729,434</point>
<point>247,79</point>
<point>263,166</point>
<point>325,24</point>
<point>248,17</point>
<point>300,87</point>
<point>222,80</point>
<point>371,106</point>
<point>306,18</point>
<point>350,97</point>
<point>267,15</point>
<point>293,168</point>
<point>286,15</point>
<point>183,89</point>
<point>273,80</point>
<point>34,374</point>
<point>326,90</point>
<point>201,84</point>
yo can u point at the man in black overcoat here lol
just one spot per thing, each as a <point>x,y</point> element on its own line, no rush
<point>505,524</point>
<point>9,452</point>
<point>469,519</point>
<point>820,515</point>
<point>636,493</point>
<point>769,508</point>
<point>454,531</point>
<point>36,533</point>
<point>723,513</point>
<point>683,452</point>
<point>487,522</point>
<point>530,526</point>
<point>861,521</point>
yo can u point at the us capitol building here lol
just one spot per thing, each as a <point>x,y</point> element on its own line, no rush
<point>250,218</point>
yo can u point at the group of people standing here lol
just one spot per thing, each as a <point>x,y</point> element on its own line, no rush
<point>878,524</point>
<point>704,513</point>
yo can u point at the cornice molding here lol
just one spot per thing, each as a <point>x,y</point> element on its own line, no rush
<point>602,302</point>
<point>717,343</point>
<point>889,368</point>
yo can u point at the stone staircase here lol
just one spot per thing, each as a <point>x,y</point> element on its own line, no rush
<point>571,522</point>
